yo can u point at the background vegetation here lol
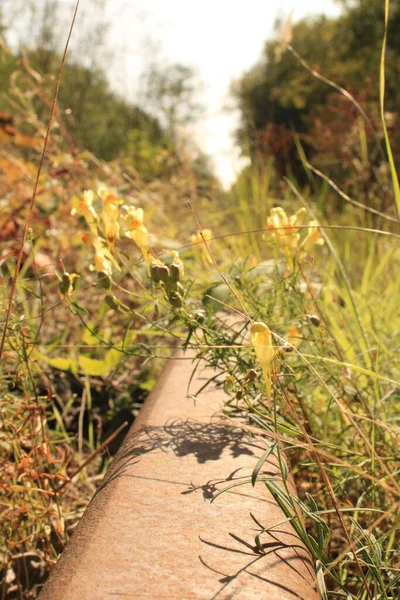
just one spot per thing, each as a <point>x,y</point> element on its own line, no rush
<point>333,309</point>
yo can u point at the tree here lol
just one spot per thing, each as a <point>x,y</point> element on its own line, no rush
<point>171,93</point>
<point>97,118</point>
<point>280,98</point>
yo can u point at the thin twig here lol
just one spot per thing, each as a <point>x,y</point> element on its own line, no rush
<point>80,421</point>
<point>341,90</point>
<point>266,231</point>
<point>347,198</point>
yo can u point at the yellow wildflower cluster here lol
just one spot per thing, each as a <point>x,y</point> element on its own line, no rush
<point>134,228</point>
<point>109,215</point>
<point>86,210</point>
<point>286,232</point>
<point>107,224</point>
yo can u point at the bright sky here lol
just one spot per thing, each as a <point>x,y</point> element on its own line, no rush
<point>219,38</point>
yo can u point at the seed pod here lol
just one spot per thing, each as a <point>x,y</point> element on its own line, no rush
<point>103,280</point>
<point>174,272</point>
<point>239,395</point>
<point>252,374</point>
<point>112,301</point>
<point>163,273</point>
<point>154,273</point>
<point>175,300</point>
<point>199,316</point>
<point>315,320</point>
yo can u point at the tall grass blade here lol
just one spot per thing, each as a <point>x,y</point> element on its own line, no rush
<point>393,172</point>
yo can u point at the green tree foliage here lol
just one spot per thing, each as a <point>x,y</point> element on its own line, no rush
<point>278,96</point>
<point>150,135</point>
<point>100,120</point>
<point>171,91</point>
<point>97,119</point>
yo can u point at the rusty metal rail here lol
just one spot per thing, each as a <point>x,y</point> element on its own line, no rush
<point>151,531</point>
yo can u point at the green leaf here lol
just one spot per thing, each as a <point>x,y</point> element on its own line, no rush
<point>148,385</point>
<point>80,308</point>
<point>63,364</point>
<point>88,337</point>
<point>321,580</point>
<point>260,463</point>
<point>112,359</point>
<point>92,366</point>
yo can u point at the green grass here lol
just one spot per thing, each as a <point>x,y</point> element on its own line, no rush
<point>336,397</point>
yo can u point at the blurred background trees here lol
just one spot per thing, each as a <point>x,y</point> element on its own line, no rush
<point>282,103</point>
<point>150,136</point>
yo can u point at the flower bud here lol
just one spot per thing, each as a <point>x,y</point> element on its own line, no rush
<point>199,316</point>
<point>174,272</point>
<point>64,284</point>
<point>315,320</point>
<point>175,300</point>
<point>112,301</point>
<point>252,374</point>
<point>154,273</point>
<point>163,273</point>
<point>67,283</point>
<point>103,280</point>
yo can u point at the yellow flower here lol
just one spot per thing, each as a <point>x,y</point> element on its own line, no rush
<point>133,217</point>
<point>102,264</point>
<point>110,214</point>
<point>140,236</point>
<point>313,238</point>
<point>103,259</point>
<point>299,217</point>
<point>284,234</point>
<point>85,209</point>
<point>196,237</point>
<point>262,341</point>
<point>137,231</point>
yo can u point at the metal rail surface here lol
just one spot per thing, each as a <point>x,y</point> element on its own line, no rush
<point>151,530</point>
